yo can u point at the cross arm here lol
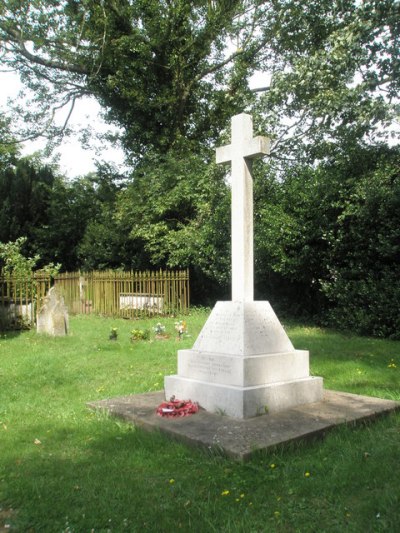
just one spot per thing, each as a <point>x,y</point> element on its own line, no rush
<point>223,154</point>
<point>253,148</point>
<point>257,147</point>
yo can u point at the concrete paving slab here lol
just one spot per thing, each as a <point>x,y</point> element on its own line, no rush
<point>241,438</point>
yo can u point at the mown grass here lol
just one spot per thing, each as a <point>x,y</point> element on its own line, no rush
<point>66,468</point>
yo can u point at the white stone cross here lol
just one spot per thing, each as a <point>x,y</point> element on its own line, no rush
<point>242,149</point>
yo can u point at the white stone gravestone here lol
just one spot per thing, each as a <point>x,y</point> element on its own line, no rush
<point>52,317</point>
<point>243,363</point>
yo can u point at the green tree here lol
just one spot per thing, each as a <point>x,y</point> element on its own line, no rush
<point>25,190</point>
<point>335,75</point>
<point>363,261</point>
<point>106,243</point>
<point>159,68</point>
<point>164,70</point>
<point>168,74</point>
<point>176,210</point>
<point>13,261</point>
<point>8,149</point>
<point>72,206</point>
<point>327,240</point>
<point>290,222</point>
<point>47,211</point>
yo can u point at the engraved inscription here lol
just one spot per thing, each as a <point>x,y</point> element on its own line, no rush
<point>261,323</point>
<point>222,330</point>
<point>248,328</point>
<point>209,367</point>
<point>258,326</point>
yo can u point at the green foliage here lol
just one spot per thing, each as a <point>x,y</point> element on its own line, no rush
<point>159,69</point>
<point>105,242</point>
<point>289,243</point>
<point>168,75</point>
<point>19,271</point>
<point>67,222</point>
<point>140,335</point>
<point>177,212</point>
<point>335,75</point>
<point>72,207</point>
<point>330,236</point>
<point>364,262</point>
<point>14,262</point>
<point>164,71</point>
<point>367,304</point>
<point>25,191</point>
<point>8,150</point>
<point>17,265</point>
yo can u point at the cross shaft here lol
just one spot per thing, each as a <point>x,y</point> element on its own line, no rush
<point>243,148</point>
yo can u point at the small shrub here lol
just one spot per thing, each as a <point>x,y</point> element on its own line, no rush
<point>10,321</point>
<point>113,334</point>
<point>140,335</point>
<point>5,320</point>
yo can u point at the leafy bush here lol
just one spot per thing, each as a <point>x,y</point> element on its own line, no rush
<point>368,306</point>
<point>140,335</point>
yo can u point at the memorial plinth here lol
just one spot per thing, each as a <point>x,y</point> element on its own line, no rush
<point>243,363</point>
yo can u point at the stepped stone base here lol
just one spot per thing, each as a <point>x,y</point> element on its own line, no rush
<point>244,371</point>
<point>243,365</point>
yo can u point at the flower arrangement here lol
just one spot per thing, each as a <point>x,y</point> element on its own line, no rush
<point>159,329</point>
<point>181,328</point>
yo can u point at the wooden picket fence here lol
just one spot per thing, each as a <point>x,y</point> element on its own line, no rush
<point>111,293</point>
<point>125,294</point>
<point>20,298</point>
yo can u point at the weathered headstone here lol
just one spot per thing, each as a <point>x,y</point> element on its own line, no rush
<point>243,364</point>
<point>52,317</point>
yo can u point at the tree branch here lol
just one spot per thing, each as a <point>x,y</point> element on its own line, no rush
<point>15,36</point>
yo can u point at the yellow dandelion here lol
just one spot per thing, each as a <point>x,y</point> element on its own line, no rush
<point>225,493</point>
<point>172,481</point>
<point>307,474</point>
<point>272,465</point>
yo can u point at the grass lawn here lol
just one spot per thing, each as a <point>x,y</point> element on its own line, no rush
<point>64,468</point>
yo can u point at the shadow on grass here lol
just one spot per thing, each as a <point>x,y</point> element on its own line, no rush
<point>119,478</point>
<point>11,333</point>
<point>362,365</point>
